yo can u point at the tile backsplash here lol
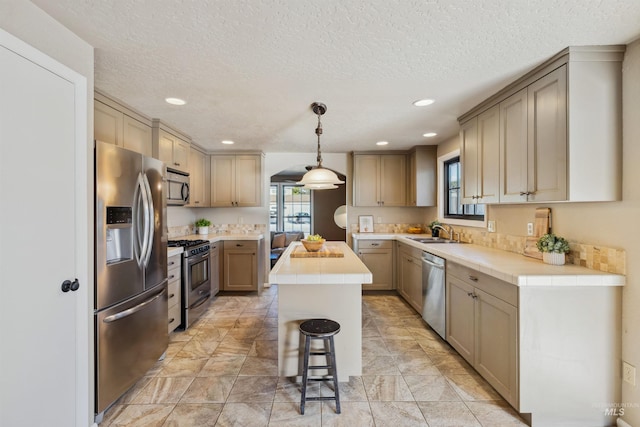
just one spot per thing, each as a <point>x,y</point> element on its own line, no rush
<point>599,258</point>
<point>185,230</point>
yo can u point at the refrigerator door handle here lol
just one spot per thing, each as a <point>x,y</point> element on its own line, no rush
<point>149,218</point>
<point>137,238</point>
<point>132,310</point>
<point>144,240</point>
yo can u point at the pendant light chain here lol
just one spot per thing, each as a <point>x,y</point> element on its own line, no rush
<point>319,132</point>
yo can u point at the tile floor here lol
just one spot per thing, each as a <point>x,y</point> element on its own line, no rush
<point>223,372</point>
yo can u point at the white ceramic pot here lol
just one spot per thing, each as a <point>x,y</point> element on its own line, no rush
<point>203,230</point>
<point>553,258</point>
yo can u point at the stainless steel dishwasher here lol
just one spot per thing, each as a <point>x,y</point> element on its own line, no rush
<point>433,293</point>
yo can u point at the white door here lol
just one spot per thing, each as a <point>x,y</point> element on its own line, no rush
<point>43,241</point>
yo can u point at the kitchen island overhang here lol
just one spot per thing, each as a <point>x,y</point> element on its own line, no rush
<point>311,288</point>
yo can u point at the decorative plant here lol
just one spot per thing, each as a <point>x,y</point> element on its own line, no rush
<point>203,222</point>
<point>434,223</point>
<point>552,243</point>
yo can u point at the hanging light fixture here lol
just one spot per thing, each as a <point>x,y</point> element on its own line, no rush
<point>319,178</point>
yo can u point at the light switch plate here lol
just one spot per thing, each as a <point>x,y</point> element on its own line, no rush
<point>629,373</point>
<point>491,226</point>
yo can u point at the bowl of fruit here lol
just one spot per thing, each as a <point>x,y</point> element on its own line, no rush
<point>313,243</point>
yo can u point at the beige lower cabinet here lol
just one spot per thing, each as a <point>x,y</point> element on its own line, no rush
<point>409,271</point>
<point>174,275</point>
<point>377,255</point>
<point>482,325</point>
<point>240,265</point>
<point>214,258</point>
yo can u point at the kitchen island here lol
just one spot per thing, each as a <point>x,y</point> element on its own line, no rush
<point>320,288</point>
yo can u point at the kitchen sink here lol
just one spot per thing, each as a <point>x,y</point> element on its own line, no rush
<point>432,240</point>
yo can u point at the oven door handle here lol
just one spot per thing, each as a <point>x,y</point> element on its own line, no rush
<point>197,258</point>
<point>200,301</point>
<point>132,310</point>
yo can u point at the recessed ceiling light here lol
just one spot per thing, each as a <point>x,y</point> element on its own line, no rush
<point>382,143</point>
<point>227,142</point>
<point>423,102</point>
<point>429,135</point>
<point>175,101</point>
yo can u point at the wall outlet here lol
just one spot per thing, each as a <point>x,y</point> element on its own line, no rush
<point>629,373</point>
<point>529,229</point>
<point>240,220</point>
<point>491,226</point>
<point>379,220</point>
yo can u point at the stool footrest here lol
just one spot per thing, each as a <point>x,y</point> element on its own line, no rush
<point>321,398</point>
<point>321,367</point>
<point>319,353</point>
<point>321,379</point>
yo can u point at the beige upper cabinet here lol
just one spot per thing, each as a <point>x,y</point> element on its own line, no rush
<point>379,179</point>
<point>236,180</point>
<point>422,180</point>
<point>198,178</point>
<point>171,146</point>
<point>117,124</point>
<point>533,133</point>
<point>557,125</point>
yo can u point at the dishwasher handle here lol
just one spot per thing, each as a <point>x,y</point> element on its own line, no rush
<point>432,264</point>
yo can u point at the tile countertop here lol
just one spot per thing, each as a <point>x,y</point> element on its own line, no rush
<point>508,266</point>
<point>312,271</point>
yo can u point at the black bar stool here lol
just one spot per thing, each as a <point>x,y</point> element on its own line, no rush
<point>323,329</point>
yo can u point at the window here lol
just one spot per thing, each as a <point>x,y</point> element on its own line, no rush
<point>289,208</point>
<point>453,207</point>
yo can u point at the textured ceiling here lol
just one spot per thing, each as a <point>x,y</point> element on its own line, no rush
<point>249,69</point>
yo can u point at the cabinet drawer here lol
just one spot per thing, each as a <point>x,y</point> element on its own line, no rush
<point>174,274</point>
<point>375,244</point>
<point>174,262</point>
<point>174,317</point>
<point>410,250</point>
<point>489,284</point>
<point>174,293</point>
<point>241,244</point>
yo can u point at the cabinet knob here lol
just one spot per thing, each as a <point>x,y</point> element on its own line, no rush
<point>473,278</point>
<point>177,164</point>
<point>375,244</point>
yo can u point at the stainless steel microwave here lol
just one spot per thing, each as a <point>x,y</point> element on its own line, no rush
<point>177,187</point>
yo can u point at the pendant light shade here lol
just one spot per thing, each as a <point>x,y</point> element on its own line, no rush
<point>319,178</point>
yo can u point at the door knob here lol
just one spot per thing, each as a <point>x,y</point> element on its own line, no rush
<point>68,285</point>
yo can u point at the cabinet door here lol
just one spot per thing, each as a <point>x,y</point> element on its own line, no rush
<point>496,329</point>
<point>181,155</point>
<point>415,283</point>
<point>403,275</point>
<point>469,160</point>
<point>223,180</point>
<point>240,270</point>
<point>489,156</point>
<point>137,136</point>
<point>513,147</point>
<point>197,179</point>
<point>107,124</point>
<point>248,177</point>
<point>547,138</point>
<point>393,179</point>
<point>460,317</point>
<point>366,184</point>
<point>380,263</point>
<point>165,148</point>
<point>214,257</point>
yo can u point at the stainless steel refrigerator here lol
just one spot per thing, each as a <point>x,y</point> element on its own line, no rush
<point>131,269</point>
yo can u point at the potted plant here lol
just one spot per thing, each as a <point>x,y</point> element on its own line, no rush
<point>435,232</point>
<point>553,248</point>
<point>203,226</point>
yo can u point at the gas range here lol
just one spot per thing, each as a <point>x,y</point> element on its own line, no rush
<point>191,247</point>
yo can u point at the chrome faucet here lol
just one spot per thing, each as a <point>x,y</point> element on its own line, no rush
<point>449,231</point>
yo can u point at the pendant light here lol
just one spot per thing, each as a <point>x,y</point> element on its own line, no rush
<point>319,178</point>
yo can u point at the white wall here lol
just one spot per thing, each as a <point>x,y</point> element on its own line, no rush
<point>30,24</point>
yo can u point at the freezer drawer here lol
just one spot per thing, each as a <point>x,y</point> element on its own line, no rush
<point>131,337</point>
